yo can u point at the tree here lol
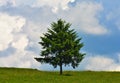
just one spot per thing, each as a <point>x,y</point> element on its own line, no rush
<point>61,46</point>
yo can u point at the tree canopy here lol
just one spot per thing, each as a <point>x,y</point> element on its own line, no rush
<point>61,46</point>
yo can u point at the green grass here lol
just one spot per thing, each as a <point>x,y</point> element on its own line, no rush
<point>14,75</point>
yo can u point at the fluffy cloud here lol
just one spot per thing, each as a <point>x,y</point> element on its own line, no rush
<point>8,26</point>
<point>22,59</point>
<point>22,34</point>
<point>12,35</point>
<point>101,63</point>
<point>3,2</point>
<point>35,30</point>
<point>20,42</point>
<point>54,4</point>
<point>85,16</point>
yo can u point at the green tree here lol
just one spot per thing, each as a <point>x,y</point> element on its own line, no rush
<point>61,46</point>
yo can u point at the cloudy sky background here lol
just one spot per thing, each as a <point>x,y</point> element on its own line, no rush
<point>22,22</point>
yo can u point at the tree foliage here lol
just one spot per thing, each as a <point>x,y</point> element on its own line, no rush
<point>61,46</point>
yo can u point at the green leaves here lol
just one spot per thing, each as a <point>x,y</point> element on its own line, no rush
<point>61,45</point>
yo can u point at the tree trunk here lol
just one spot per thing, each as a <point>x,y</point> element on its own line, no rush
<point>61,68</point>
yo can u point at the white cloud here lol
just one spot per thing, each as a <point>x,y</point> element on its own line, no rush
<point>20,42</point>
<point>3,2</point>
<point>35,30</point>
<point>8,26</point>
<point>19,38</point>
<point>22,59</point>
<point>85,16</point>
<point>54,4</point>
<point>12,35</point>
<point>114,15</point>
<point>101,63</point>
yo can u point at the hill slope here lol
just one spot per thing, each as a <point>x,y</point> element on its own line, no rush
<point>14,75</point>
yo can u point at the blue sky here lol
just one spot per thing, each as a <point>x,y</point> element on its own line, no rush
<point>22,22</point>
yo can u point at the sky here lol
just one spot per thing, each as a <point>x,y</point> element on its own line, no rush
<point>22,22</point>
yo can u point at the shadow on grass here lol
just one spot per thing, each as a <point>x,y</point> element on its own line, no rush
<point>67,74</point>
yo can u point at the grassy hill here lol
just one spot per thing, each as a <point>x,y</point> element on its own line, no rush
<point>15,75</point>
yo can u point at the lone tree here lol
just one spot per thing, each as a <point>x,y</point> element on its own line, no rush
<point>61,46</point>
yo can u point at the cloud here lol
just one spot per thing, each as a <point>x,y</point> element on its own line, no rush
<point>54,4</point>
<point>22,59</point>
<point>35,29</point>
<point>13,36</point>
<point>85,16</point>
<point>22,31</point>
<point>3,2</point>
<point>102,63</point>
<point>113,17</point>
<point>20,42</point>
<point>8,26</point>
<point>6,2</point>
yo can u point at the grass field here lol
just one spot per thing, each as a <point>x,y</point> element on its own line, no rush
<point>14,75</point>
